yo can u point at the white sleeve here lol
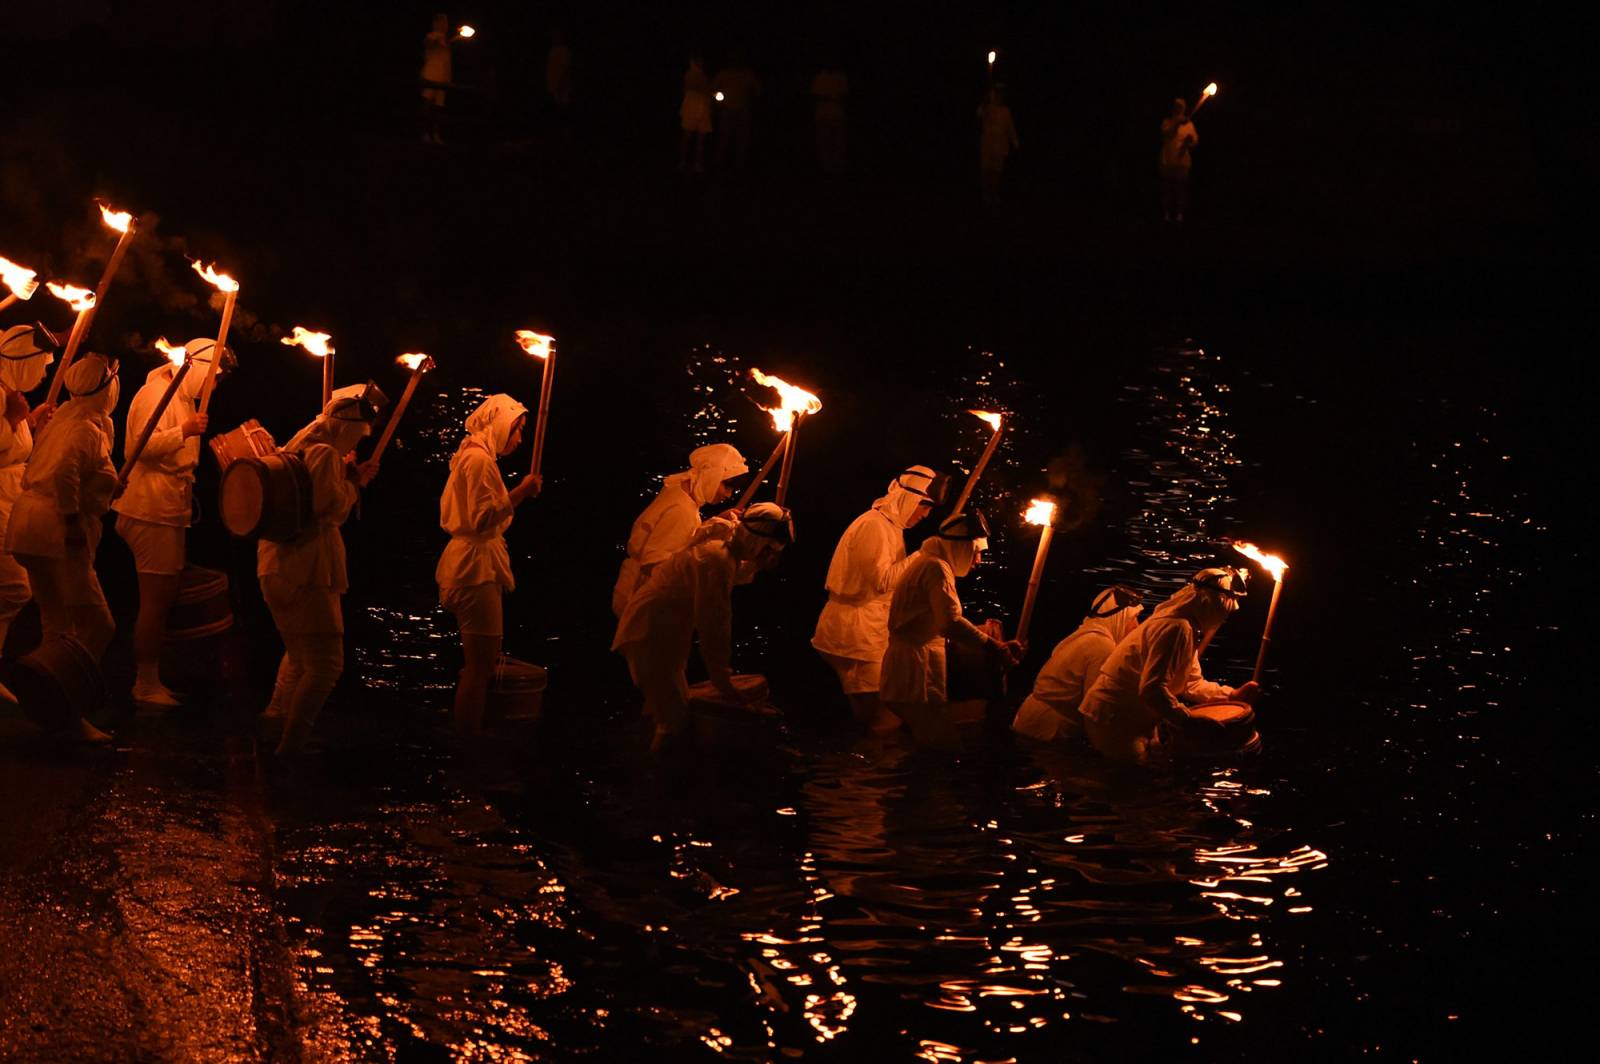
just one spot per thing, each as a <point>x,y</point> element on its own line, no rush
<point>1166,648</point>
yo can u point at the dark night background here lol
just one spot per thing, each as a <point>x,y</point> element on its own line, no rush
<point>1383,205</point>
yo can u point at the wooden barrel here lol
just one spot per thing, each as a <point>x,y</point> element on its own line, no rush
<point>717,719</point>
<point>1217,729</point>
<point>269,497</point>
<point>203,607</point>
<point>249,440</point>
<point>56,683</point>
<point>517,691</point>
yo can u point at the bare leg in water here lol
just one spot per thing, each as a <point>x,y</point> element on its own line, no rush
<point>482,654</point>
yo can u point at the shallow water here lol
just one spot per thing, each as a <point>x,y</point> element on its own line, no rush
<point>558,894</point>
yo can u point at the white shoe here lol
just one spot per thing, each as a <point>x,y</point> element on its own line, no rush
<point>155,694</point>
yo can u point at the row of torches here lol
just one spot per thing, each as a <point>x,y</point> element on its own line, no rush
<point>23,283</point>
<point>795,404</point>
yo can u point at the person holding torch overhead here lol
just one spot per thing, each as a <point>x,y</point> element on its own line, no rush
<point>853,630</point>
<point>156,507</point>
<point>925,611</point>
<point>1152,674</point>
<point>24,355</point>
<point>474,572</point>
<point>1178,137</point>
<point>303,579</point>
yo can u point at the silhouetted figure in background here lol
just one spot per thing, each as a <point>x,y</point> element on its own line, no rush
<point>1178,136</point>
<point>694,115</point>
<point>558,70</point>
<point>435,74</point>
<point>829,89</point>
<point>997,138</point>
<point>738,87</point>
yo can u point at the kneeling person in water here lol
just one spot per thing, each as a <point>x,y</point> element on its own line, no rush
<point>1152,674</point>
<point>1051,711</point>
<point>688,595</point>
<point>925,611</point>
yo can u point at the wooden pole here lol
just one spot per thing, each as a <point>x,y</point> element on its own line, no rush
<point>536,464</point>
<point>977,470</point>
<point>327,379</point>
<point>394,418</point>
<point>766,467</point>
<point>791,444</point>
<point>73,340</point>
<point>1266,633</point>
<point>216,352</point>
<point>8,300</point>
<point>114,263</point>
<point>150,428</point>
<point>1033,582</point>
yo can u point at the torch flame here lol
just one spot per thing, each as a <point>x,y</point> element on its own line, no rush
<point>1270,562</point>
<point>317,343</point>
<point>1211,89</point>
<point>991,56</point>
<point>792,401</point>
<point>118,220</point>
<point>223,282</point>
<point>1041,512</point>
<point>466,33</point>
<point>79,299</point>
<point>175,355</point>
<point>22,281</point>
<point>720,97</point>
<point>416,362</point>
<point>993,419</point>
<point>536,344</point>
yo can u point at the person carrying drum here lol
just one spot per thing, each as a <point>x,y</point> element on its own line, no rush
<point>688,595</point>
<point>24,354</point>
<point>55,526</point>
<point>1051,711</point>
<point>156,507</point>
<point>474,572</point>
<point>303,578</point>
<point>925,611</point>
<point>1149,677</point>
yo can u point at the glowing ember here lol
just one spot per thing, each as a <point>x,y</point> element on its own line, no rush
<point>22,281</point>
<point>1041,512</point>
<point>316,343</point>
<point>1270,562</point>
<point>993,419</point>
<point>720,97</point>
<point>415,361</point>
<point>175,355</point>
<point>792,401</point>
<point>991,56</point>
<point>1210,90</point>
<point>466,33</point>
<point>223,282</point>
<point>536,344</point>
<point>118,220</point>
<point>79,299</point>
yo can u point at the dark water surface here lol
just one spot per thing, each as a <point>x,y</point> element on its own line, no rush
<point>1365,885</point>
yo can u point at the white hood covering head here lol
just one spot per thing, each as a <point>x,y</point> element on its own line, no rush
<point>490,425</point>
<point>959,554</point>
<point>199,352</point>
<point>1206,601</point>
<point>904,494</point>
<point>709,466</point>
<point>92,380</point>
<point>24,354</point>
<point>1105,616</point>
<point>341,425</point>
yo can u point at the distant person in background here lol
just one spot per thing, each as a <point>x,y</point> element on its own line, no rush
<point>558,70</point>
<point>737,88</point>
<point>694,115</point>
<point>1178,137</point>
<point>435,75</point>
<point>997,139</point>
<point>829,89</point>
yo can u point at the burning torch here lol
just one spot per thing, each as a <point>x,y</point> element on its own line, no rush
<point>418,364</point>
<point>997,423</point>
<point>230,288</point>
<point>1205,94</point>
<point>1041,512</point>
<point>82,301</point>
<point>179,357</point>
<point>22,281</point>
<point>1276,567</point>
<point>543,347</point>
<point>319,345</point>
<point>794,403</point>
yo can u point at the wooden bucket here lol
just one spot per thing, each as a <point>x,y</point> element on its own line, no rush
<point>267,497</point>
<point>203,608</point>
<point>249,440</point>
<point>57,683</point>
<point>517,691</point>
<point>1217,729</point>
<point>718,720</point>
